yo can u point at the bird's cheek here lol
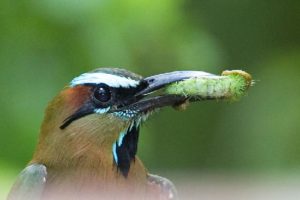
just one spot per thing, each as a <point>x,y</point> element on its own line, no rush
<point>103,125</point>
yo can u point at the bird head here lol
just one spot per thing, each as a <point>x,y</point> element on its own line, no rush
<point>101,112</point>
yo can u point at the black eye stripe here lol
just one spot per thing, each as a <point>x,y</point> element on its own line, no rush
<point>103,96</point>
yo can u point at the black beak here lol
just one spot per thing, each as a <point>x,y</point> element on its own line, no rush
<point>154,83</point>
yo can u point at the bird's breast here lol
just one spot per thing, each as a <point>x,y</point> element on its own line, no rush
<point>93,181</point>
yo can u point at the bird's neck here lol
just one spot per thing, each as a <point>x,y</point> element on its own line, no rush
<point>78,147</point>
<point>80,157</point>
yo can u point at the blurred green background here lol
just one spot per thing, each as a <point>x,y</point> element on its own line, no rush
<point>44,44</point>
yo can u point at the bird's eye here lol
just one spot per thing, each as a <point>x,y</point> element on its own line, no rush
<point>102,93</point>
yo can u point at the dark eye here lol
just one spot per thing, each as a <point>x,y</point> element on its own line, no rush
<point>102,93</point>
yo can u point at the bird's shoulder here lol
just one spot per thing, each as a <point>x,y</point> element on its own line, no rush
<point>163,187</point>
<point>30,183</point>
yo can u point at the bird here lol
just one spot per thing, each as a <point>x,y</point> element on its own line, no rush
<point>88,140</point>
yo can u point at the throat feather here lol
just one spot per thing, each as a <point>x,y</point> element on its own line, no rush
<point>125,148</point>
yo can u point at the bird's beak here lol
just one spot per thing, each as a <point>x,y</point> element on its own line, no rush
<point>146,99</point>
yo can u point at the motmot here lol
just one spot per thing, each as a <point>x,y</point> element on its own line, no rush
<point>88,139</point>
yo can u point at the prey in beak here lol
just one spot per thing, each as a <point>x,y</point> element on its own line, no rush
<point>182,86</point>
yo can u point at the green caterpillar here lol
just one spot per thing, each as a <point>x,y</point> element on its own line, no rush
<point>231,85</point>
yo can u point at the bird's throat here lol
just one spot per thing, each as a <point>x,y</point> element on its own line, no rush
<point>86,144</point>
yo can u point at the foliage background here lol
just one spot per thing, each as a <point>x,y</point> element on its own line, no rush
<point>44,44</point>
